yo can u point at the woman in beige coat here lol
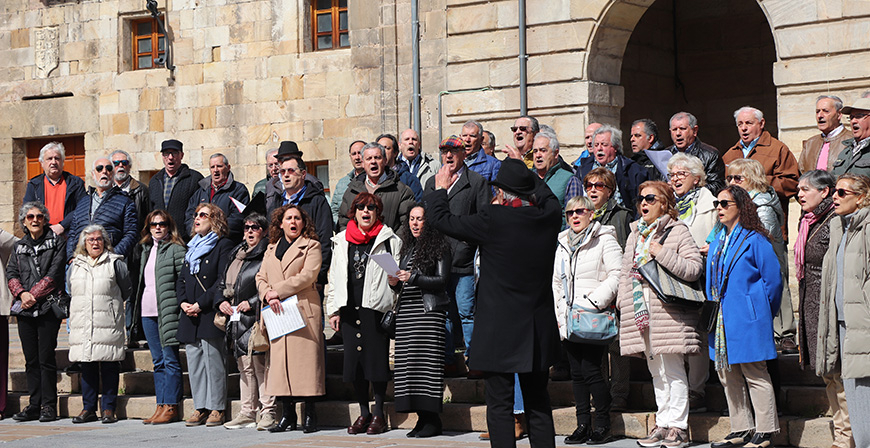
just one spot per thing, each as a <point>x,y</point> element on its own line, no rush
<point>296,366</point>
<point>662,333</point>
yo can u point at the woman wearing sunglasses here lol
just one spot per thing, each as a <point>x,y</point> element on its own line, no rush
<point>290,267</point>
<point>586,273</point>
<point>844,316</point>
<point>599,185</point>
<point>157,304</point>
<point>664,334</point>
<point>359,295</point>
<point>208,254</point>
<point>743,276</point>
<point>238,289</point>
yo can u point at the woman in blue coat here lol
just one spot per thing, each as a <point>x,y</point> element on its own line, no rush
<point>743,275</point>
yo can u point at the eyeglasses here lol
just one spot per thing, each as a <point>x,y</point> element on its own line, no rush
<point>678,175</point>
<point>288,170</point>
<point>650,198</point>
<point>735,177</point>
<point>254,227</point>
<point>576,211</point>
<point>369,207</point>
<point>100,168</point>
<point>858,116</point>
<point>38,217</point>
<point>156,224</point>
<point>842,192</point>
<point>121,162</point>
<point>520,128</point>
<point>595,186</point>
<point>725,203</point>
<point>203,215</point>
<point>94,240</point>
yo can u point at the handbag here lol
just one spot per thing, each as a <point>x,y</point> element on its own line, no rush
<point>259,339</point>
<point>591,325</point>
<point>59,303</point>
<point>669,288</point>
<point>709,315</point>
<point>388,320</point>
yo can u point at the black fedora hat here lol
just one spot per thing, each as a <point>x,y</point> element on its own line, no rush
<point>288,148</point>
<point>514,176</point>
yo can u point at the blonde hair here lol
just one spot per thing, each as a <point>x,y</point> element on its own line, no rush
<point>218,219</point>
<point>752,172</point>
<point>691,163</point>
<point>859,184</point>
<point>582,201</point>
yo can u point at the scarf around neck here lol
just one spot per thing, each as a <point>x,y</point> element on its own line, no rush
<point>197,248</point>
<point>356,235</point>
<point>641,257</point>
<point>807,220</point>
<point>686,204</point>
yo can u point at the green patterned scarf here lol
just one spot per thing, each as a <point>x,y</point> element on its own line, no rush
<point>641,257</point>
<point>686,204</point>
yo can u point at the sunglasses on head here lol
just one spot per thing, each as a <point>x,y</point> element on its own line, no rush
<point>725,203</point>
<point>576,211</point>
<point>100,168</point>
<point>520,128</point>
<point>121,162</point>
<point>595,185</point>
<point>842,192</point>
<point>369,207</point>
<point>735,177</point>
<point>650,198</point>
<point>38,217</point>
<point>156,224</point>
<point>254,227</point>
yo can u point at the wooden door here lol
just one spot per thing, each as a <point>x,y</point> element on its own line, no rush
<point>74,147</point>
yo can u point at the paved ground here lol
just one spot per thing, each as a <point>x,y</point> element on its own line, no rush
<point>125,433</point>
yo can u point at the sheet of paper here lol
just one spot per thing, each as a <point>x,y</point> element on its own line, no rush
<point>660,158</point>
<point>236,316</point>
<point>287,322</point>
<point>386,262</point>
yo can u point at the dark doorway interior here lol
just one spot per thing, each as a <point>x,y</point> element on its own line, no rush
<point>707,57</point>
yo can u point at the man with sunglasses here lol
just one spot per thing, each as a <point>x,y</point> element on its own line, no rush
<point>524,130</point>
<point>855,156</point>
<point>107,205</point>
<point>476,160</point>
<point>59,190</point>
<point>171,188</point>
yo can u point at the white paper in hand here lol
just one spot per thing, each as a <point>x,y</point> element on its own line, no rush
<point>386,262</point>
<point>287,322</point>
<point>236,316</point>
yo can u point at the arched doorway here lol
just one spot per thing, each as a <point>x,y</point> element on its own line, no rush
<point>707,57</point>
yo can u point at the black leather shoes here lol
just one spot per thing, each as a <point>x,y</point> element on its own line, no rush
<point>600,436</point>
<point>109,416</point>
<point>579,436</point>
<point>733,440</point>
<point>27,414</point>
<point>86,416</point>
<point>309,419</point>
<point>760,440</point>
<point>48,414</point>
<point>288,420</point>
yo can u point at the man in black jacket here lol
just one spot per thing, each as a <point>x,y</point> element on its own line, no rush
<point>468,194</point>
<point>223,191</point>
<point>515,329</point>
<point>684,134</point>
<point>51,157</point>
<point>384,183</point>
<point>607,153</point>
<point>171,188</point>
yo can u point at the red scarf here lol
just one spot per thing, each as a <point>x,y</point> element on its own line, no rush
<point>356,235</point>
<point>516,203</point>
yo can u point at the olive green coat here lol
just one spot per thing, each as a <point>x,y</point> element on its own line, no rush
<point>170,258</point>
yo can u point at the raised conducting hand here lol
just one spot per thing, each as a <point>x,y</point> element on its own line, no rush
<point>513,153</point>
<point>444,178</point>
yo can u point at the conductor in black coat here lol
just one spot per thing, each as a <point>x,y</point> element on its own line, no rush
<point>514,327</point>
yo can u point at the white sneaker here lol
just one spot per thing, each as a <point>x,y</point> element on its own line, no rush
<point>266,421</point>
<point>240,422</point>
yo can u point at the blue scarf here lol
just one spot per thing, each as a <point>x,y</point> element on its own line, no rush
<point>197,247</point>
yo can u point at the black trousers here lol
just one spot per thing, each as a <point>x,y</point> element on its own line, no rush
<point>92,372</point>
<point>586,378</point>
<point>38,340</point>
<point>500,406</point>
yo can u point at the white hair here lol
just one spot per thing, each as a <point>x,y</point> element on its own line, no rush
<point>758,114</point>
<point>53,146</point>
<point>551,137</point>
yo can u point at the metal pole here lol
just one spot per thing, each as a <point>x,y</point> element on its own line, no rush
<point>415,61</point>
<point>524,106</point>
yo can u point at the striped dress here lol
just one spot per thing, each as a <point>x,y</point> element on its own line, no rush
<point>419,360</point>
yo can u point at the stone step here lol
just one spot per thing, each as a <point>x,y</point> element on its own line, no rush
<point>463,417</point>
<point>130,383</point>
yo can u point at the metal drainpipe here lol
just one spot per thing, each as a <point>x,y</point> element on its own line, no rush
<point>524,58</point>
<point>415,62</point>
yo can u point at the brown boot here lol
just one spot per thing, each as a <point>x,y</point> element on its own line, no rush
<point>519,426</point>
<point>157,412</point>
<point>170,414</point>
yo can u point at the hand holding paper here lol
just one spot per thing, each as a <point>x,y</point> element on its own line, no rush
<point>386,262</point>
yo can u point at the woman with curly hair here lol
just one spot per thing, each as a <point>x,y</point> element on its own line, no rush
<point>296,368</point>
<point>743,275</point>
<point>422,313</point>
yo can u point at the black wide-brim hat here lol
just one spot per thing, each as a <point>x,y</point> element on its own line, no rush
<point>514,176</point>
<point>288,148</point>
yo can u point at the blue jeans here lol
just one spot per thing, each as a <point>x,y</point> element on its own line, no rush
<point>92,373</point>
<point>167,368</point>
<point>462,290</point>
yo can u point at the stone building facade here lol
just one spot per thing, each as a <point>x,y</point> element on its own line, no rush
<point>246,76</point>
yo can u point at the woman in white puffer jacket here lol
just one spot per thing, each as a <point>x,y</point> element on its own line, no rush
<point>99,283</point>
<point>586,272</point>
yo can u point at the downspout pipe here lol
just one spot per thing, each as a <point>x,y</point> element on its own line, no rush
<point>524,58</point>
<point>415,65</point>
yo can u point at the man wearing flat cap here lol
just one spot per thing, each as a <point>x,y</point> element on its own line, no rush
<point>514,329</point>
<point>171,188</point>
<point>466,195</point>
<point>855,156</point>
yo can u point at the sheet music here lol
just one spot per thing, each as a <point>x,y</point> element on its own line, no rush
<point>287,322</point>
<point>386,262</point>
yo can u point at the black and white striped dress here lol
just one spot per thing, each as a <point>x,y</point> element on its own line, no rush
<point>419,360</point>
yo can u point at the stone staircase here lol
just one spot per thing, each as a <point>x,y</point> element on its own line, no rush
<point>802,399</point>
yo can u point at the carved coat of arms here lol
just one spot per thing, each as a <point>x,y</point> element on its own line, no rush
<point>46,51</point>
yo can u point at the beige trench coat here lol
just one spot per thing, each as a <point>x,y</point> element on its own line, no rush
<point>295,362</point>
